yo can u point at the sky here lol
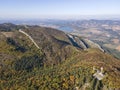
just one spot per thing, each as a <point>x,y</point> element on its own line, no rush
<point>58,8</point>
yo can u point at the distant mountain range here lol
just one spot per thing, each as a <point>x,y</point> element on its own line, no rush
<point>42,58</point>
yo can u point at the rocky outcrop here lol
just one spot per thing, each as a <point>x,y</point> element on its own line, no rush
<point>83,43</point>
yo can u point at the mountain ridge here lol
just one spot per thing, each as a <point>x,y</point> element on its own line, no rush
<point>58,64</point>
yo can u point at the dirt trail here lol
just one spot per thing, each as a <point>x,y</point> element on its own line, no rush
<point>29,38</point>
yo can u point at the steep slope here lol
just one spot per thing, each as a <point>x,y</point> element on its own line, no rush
<point>63,62</point>
<point>55,44</point>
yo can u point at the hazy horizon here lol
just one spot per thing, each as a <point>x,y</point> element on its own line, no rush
<point>83,17</point>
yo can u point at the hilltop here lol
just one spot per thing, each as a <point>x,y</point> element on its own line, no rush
<point>40,58</point>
